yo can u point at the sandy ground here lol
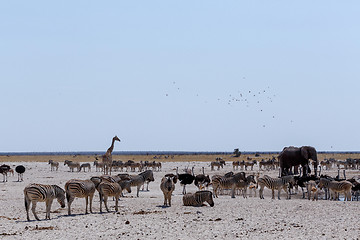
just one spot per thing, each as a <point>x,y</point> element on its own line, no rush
<point>146,218</point>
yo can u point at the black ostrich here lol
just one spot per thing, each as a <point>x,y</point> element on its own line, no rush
<point>20,170</point>
<point>202,180</point>
<point>185,178</point>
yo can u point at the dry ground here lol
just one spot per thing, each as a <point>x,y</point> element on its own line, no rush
<point>146,218</point>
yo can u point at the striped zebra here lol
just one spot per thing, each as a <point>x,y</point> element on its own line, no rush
<point>98,166</point>
<point>197,199</point>
<point>324,183</point>
<point>216,164</point>
<point>275,183</point>
<point>107,189</point>
<point>80,189</point>
<point>123,182</point>
<point>140,179</point>
<point>227,183</point>
<point>34,193</point>
<point>167,186</point>
<point>85,165</point>
<point>336,188</point>
<point>72,165</point>
<point>244,184</point>
<point>53,165</point>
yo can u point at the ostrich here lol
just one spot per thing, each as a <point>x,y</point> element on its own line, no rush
<point>4,169</point>
<point>185,178</point>
<point>20,170</point>
<point>202,180</point>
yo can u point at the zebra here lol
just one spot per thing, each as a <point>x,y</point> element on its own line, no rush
<point>244,184</point>
<point>198,198</point>
<point>324,183</point>
<point>227,183</point>
<point>123,182</point>
<point>72,165</point>
<point>275,183</point>
<point>107,189</point>
<point>34,193</point>
<point>216,164</point>
<point>53,165</point>
<point>98,166</point>
<point>140,179</point>
<point>336,188</point>
<point>250,164</point>
<point>236,165</point>
<point>85,165</point>
<point>81,189</point>
<point>167,186</point>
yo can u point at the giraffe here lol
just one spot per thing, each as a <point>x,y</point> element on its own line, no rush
<point>107,157</point>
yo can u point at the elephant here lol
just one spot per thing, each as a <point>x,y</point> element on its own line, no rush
<point>295,156</point>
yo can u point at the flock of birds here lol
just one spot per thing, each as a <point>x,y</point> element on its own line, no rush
<point>257,100</point>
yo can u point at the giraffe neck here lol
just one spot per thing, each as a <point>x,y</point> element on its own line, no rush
<point>111,148</point>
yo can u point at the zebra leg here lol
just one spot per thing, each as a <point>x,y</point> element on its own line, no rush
<point>273,193</point>
<point>105,203</point>
<point>233,192</point>
<point>169,199</point>
<point>147,187</point>
<point>91,199</point>
<point>33,210</point>
<point>261,192</point>
<point>117,202</point>
<point>165,202</point>
<point>184,190</point>
<point>48,208</point>
<point>101,200</point>
<point>70,199</point>
<point>27,206</point>
<point>245,192</point>
<point>86,204</point>
<point>138,189</point>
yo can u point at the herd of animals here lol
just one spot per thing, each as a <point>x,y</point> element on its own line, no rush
<point>293,165</point>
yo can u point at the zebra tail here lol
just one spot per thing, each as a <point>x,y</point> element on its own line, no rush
<point>67,197</point>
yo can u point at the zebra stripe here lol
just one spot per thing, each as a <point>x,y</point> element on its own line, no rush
<point>275,183</point>
<point>198,198</point>
<point>34,193</point>
<point>80,189</point>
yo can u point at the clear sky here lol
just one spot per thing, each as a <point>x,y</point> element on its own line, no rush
<point>179,75</point>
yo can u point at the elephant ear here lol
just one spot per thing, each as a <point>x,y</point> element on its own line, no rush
<point>304,152</point>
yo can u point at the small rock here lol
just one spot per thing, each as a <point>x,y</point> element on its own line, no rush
<point>127,222</point>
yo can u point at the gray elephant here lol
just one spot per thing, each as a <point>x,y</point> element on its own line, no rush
<point>294,156</point>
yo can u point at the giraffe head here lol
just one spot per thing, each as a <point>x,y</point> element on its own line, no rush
<point>116,138</point>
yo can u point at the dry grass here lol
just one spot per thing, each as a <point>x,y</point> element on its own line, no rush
<point>175,158</point>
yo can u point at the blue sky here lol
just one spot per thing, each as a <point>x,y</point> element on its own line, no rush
<point>179,75</point>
